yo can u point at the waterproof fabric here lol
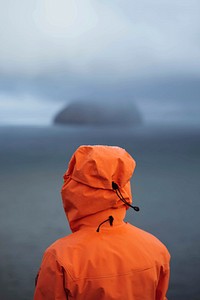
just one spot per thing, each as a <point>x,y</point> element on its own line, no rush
<point>121,261</point>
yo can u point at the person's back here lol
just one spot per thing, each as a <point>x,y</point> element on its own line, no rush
<point>104,257</point>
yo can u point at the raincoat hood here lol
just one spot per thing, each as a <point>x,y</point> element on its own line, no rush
<point>87,190</point>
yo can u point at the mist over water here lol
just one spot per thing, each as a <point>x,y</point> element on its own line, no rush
<point>168,101</point>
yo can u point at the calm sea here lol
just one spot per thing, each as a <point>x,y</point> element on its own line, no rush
<point>165,186</point>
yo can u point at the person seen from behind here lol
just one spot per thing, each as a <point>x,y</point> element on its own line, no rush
<point>104,258</point>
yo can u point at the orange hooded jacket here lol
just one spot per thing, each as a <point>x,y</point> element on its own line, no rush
<point>103,258</point>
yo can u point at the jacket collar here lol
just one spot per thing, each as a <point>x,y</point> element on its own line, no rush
<point>93,221</point>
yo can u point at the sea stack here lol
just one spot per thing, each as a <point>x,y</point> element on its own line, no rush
<point>99,113</point>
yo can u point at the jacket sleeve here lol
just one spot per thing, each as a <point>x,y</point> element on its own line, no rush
<point>50,280</point>
<point>163,282</point>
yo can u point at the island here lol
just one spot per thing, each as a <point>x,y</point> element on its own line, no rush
<point>99,113</point>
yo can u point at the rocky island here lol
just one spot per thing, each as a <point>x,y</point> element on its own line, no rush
<point>99,113</point>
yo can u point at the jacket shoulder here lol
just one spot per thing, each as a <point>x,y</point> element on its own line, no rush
<point>148,239</point>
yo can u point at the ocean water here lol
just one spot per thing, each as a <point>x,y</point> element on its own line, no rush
<point>165,186</point>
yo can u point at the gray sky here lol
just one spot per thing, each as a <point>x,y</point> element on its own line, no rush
<point>137,38</point>
<point>56,43</point>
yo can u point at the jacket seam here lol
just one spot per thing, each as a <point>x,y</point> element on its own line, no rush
<point>110,276</point>
<point>98,277</point>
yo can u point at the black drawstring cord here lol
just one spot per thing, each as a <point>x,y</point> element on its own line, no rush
<point>110,219</point>
<point>119,194</point>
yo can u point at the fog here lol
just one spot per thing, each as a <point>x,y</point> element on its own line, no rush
<point>137,39</point>
<point>58,51</point>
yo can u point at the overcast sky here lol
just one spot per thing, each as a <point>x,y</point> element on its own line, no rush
<point>134,38</point>
<point>107,41</point>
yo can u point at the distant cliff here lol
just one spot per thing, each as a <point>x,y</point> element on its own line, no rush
<point>96,113</point>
